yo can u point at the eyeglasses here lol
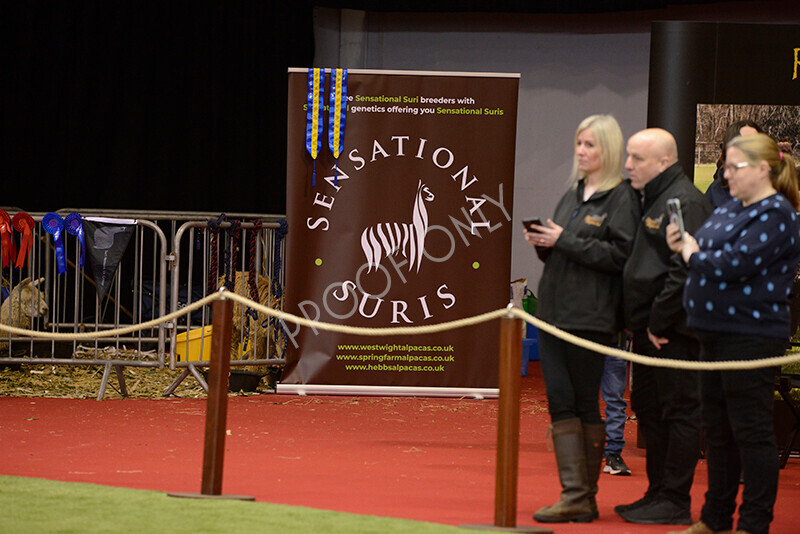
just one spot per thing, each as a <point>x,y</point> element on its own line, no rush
<point>732,167</point>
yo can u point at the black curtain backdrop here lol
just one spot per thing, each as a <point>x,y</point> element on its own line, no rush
<point>168,105</point>
<point>149,104</point>
<point>712,63</point>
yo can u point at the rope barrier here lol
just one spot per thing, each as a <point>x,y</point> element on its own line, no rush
<point>419,330</point>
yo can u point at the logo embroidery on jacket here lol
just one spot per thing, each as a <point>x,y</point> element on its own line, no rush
<point>653,224</point>
<point>595,220</point>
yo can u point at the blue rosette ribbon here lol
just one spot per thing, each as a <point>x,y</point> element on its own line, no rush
<point>337,111</point>
<point>74,225</point>
<point>53,224</point>
<point>314,108</point>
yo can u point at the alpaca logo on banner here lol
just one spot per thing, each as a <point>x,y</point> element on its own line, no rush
<point>410,230</point>
<point>390,238</point>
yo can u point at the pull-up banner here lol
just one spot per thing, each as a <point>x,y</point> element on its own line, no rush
<point>409,226</point>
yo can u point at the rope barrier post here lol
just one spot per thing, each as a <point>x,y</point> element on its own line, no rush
<point>217,406</point>
<point>505,506</point>
<point>505,498</point>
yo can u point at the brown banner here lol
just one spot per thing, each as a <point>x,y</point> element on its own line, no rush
<point>415,231</point>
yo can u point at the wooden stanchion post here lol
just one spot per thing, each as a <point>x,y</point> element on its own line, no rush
<point>505,498</point>
<point>217,407</point>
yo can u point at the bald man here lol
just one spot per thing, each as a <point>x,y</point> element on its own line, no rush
<point>666,401</point>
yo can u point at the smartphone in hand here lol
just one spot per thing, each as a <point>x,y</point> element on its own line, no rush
<point>542,252</point>
<point>528,223</point>
<point>674,213</point>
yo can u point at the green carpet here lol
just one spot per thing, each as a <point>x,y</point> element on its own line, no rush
<point>43,506</point>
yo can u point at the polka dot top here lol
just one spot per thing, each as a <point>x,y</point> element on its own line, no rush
<point>741,278</point>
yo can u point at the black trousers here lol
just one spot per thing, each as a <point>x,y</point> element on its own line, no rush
<point>740,438</point>
<point>667,406</point>
<point>572,376</point>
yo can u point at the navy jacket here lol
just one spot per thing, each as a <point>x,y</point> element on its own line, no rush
<point>718,192</point>
<point>741,279</point>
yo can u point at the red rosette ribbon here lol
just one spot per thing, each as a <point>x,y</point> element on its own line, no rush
<point>24,224</point>
<point>7,238</point>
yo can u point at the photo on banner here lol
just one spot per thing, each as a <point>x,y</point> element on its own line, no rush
<point>781,122</point>
<point>399,206</point>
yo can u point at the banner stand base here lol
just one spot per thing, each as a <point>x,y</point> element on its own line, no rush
<point>224,496</point>
<point>387,391</point>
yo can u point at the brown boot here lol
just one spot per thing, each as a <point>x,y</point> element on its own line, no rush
<point>700,528</point>
<point>594,438</point>
<point>575,502</point>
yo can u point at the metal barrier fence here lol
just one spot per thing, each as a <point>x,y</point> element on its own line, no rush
<point>247,256</point>
<point>149,281</point>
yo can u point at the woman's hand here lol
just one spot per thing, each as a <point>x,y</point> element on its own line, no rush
<point>674,241</point>
<point>686,246</point>
<point>544,236</point>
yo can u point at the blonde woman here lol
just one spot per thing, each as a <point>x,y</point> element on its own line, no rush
<point>742,263</point>
<point>584,246</point>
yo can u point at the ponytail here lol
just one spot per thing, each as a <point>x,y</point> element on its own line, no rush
<point>784,178</point>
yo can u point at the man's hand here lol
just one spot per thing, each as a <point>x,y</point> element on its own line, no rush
<point>657,342</point>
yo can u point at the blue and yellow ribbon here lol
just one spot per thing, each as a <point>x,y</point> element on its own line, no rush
<point>336,115</point>
<point>315,107</point>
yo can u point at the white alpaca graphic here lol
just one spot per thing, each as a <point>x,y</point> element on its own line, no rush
<point>389,238</point>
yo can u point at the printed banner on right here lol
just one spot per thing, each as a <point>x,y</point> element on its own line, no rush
<point>399,202</point>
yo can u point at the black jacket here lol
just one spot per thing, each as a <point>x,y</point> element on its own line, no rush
<point>654,275</point>
<point>581,286</point>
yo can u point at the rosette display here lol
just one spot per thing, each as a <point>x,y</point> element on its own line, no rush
<point>53,224</point>
<point>74,225</point>
<point>314,108</point>
<point>24,224</point>
<point>6,239</point>
<point>337,110</point>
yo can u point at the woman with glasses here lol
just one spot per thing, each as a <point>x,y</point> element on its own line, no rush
<point>718,192</point>
<point>741,268</point>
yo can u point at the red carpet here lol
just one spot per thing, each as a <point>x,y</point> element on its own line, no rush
<point>414,458</point>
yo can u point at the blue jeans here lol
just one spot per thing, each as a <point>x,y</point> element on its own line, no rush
<point>612,387</point>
